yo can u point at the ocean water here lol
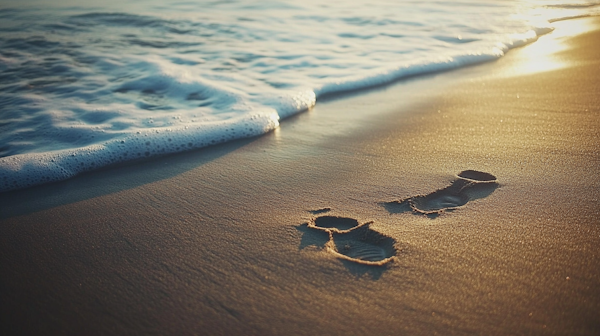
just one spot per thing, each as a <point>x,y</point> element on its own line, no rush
<point>84,85</point>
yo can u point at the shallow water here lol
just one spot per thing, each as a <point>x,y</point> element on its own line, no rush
<point>83,86</point>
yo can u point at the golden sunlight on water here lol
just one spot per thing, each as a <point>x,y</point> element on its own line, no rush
<point>544,54</point>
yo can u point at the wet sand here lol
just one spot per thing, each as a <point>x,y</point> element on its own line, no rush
<point>222,241</point>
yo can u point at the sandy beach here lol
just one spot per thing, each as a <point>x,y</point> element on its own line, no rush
<point>217,241</point>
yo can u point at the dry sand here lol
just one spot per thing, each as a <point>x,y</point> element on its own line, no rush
<point>215,242</point>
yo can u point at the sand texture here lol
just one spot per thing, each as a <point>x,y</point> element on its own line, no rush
<point>350,219</point>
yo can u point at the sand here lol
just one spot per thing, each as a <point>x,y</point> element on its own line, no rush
<point>222,241</point>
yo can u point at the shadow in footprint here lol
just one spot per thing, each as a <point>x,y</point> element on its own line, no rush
<point>361,249</point>
<point>470,185</point>
<point>397,207</point>
<point>312,237</point>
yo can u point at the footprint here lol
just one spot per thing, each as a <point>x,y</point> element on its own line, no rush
<point>470,185</point>
<point>357,245</point>
<point>351,241</point>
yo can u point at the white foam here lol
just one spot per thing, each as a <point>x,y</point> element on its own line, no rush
<point>24,170</point>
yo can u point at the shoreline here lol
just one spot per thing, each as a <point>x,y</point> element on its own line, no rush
<point>215,241</point>
<point>26,170</point>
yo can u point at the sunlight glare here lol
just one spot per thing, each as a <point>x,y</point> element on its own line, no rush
<point>544,54</point>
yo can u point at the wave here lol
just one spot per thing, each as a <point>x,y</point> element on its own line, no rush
<point>104,88</point>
